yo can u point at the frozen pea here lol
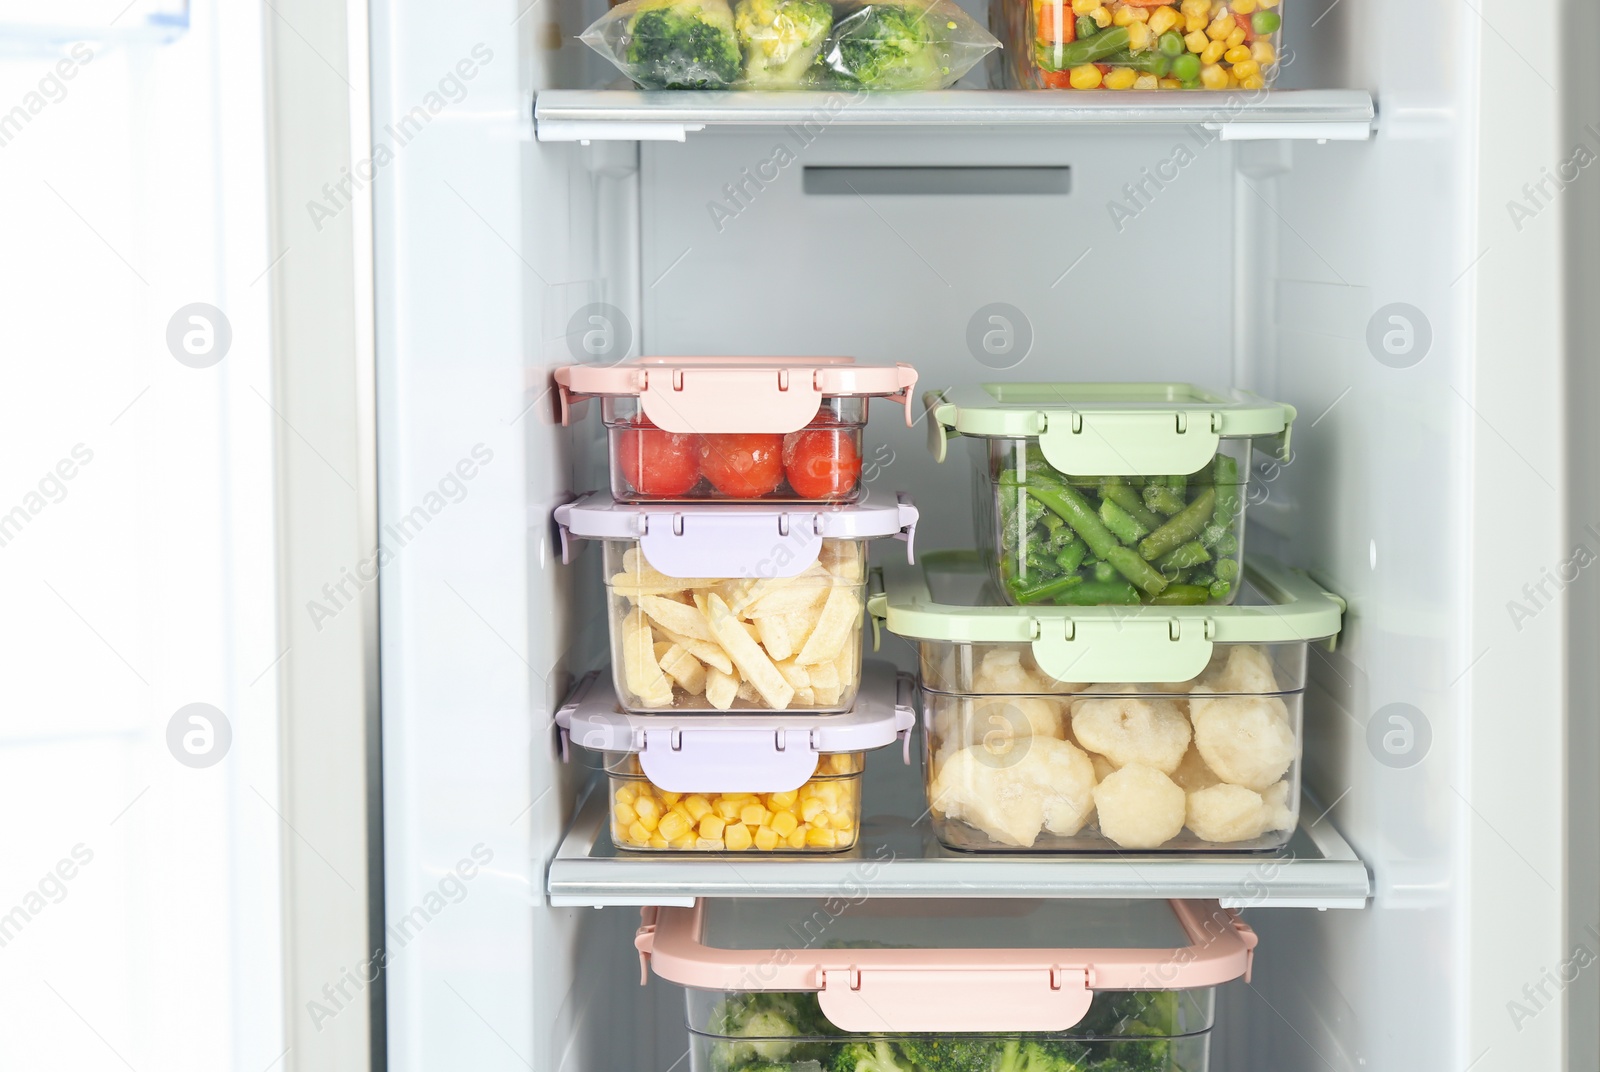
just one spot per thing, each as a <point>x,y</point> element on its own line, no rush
<point>1171,44</point>
<point>1186,68</point>
<point>1266,22</point>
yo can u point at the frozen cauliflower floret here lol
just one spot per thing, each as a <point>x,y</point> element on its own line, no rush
<point>1192,774</point>
<point>1246,740</point>
<point>1280,811</point>
<point>1130,729</point>
<point>994,723</point>
<point>1226,813</point>
<point>1140,807</point>
<point>1049,785</point>
<point>1103,767</point>
<point>1002,671</point>
<point>1247,669</point>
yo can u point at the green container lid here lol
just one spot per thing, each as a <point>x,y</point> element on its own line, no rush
<point>947,597</point>
<point>1108,429</point>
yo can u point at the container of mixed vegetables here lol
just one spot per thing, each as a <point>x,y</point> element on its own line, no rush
<point>864,984</point>
<point>1108,493</point>
<point>790,44</point>
<point>1140,44</point>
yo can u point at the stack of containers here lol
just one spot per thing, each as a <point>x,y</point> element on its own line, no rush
<point>1108,672</point>
<point>738,707</point>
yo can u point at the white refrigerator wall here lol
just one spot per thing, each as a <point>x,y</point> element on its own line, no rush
<point>1258,265</point>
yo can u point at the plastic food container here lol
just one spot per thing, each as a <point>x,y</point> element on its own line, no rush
<point>1103,729</point>
<point>1090,494</point>
<point>735,428</point>
<point>877,983</point>
<point>718,607</point>
<point>1117,44</point>
<point>719,783</point>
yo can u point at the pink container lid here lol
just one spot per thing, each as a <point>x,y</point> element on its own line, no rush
<point>715,395</point>
<point>891,965</point>
<point>721,539</point>
<point>758,753</point>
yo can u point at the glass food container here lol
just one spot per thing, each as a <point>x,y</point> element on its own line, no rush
<point>852,982</point>
<point>1091,494</point>
<point>1100,729</point>
<point>718,607</point>
<point>1140,44</point>
<point>735,428</point>
<point>721,783</point>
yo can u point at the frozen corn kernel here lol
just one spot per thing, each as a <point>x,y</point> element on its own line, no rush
<point>784,823</point>
<point>1195,24</point>
<point>670,799</point>
<point>1146,81</point>
<point>1140,38</point>
<point>1164,19</point>
<point>711,827</point>
<point>1213,77</point>
<point>637,835</point>
<point>780,801</point>
<point>683,843</point>
<point>1236,54</point>
<point>1196,42</point>
<point>1243,7</point>
<point>1122,16</point>
<point>1196,8</point>
<point>1237,37</point>
<point>727,809</point>
<point>797,839</point>
<point>1255,81</point>
<point>1246,69</point>
<point>626,793</point>
<point>697,806</point>
<point>810,809</point>
<point>659,842</point>
<point>737,836</point>
<point>823,821</point>
<point>1085,77</point>
<point>1263,53</point>
<point>818,838</point>
<point>754,815</point>
<point>1221,27</point>
<point>1084,7</point>
<point>648,810</point>
<point>1213,52</point>
<point>1170,83</point>
<point>1121,78</point>
<point>624,815</point>
<point>766,838</point>
<point>1101,16</point>
<point>673,826</point>
<point>706,844</point>
<point>1267,4</point>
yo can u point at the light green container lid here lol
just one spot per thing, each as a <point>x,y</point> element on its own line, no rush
<point>946,597</point>
<point>1108,429</point>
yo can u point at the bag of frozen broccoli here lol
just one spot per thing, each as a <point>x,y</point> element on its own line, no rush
<point>670,44</point>
<point>903,44</point>
<point>790,44</point>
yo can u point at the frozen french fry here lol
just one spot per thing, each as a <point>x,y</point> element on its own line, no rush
<point>797,676</point>
<point>748,655</point>
<point>706,651</point>
<point>681,618</point>
<point>842,558</point>
<point>639,667</point>
<point>840,617</point>
<point>774,635</point>
<point>747,692</point>
<point>683,668</point>
<point>824,682</point>
<point>805,696</point>
<point>721,688</point>
<point>799,597</point>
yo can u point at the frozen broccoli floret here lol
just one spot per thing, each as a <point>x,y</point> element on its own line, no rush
<point>888,45</point>
<point>780,38</point>
<point>762,1028</point>
<point>683,44</point>
<point>869,1055</point>
<point>950,1053</point>
<point>1041,1055</point>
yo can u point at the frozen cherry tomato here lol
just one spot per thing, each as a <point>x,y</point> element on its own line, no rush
<point>656,463</point>
<point>821,463</point>
<point>742,465</point>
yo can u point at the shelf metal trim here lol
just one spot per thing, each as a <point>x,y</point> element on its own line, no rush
<point>669,115</point>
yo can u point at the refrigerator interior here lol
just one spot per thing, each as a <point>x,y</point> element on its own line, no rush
<point>1258,266</point>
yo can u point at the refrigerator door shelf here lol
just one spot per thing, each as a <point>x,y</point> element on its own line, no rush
<point>739,753</point>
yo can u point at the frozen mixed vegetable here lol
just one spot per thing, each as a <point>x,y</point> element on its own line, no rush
<point>771,643</point>
<point>791,44</point>
<point>1026,755</point>
<point>824,813</point>
<point>1168,540</point>
<point>787,1032</point>
<point>1143,44</point>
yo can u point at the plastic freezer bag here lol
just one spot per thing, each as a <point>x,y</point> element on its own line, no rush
<point>790,44</point>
